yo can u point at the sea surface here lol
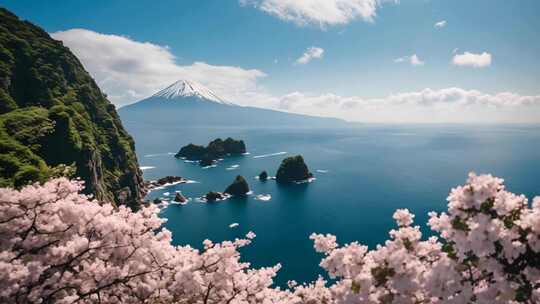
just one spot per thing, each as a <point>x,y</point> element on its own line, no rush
<point>363,174</point>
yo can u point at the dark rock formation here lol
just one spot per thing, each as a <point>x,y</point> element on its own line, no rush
<point>239,187</point>
<point>214,196</point>
<point>263,176</point>
<point>206,161</point>
<point>52,113</point>
<point>216,149</point>
<point>191,152</point>
<point>232,146</point>
<point>167,180</point>
<point>293,169</point>
<point>180,198</point>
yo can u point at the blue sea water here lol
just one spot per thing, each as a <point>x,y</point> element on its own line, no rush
<point>363,174</point>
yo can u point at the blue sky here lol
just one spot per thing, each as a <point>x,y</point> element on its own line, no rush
<point>359,56</point>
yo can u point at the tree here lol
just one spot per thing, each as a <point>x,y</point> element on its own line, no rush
<point>59,246</point>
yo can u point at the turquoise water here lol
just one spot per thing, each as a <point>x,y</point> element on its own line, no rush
<point>363,174</point>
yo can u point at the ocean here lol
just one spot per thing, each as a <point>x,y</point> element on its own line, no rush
<point>363,174</point>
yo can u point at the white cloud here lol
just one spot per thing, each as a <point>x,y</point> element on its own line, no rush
<point>128,70</point>
<point>473,60</point>
<point>414,60</point>
<point>318,12</point>
<point>310,54</point>
<point>440,24</point>
<point>454,105</point>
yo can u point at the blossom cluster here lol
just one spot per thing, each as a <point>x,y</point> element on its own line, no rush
<point>60,246</point>
<point>488,252</point>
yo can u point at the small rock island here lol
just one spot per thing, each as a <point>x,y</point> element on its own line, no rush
<point>293,169</point>
<point>164,181</point>
<point>216,149</point>
<point>179,198</point>
<point>263,176</point>
<point>214,196</point>
<point>239,187</point>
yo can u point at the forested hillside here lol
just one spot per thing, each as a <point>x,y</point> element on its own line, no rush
<point>52,114</point>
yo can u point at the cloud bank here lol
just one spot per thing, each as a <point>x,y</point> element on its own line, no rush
<point>452,105</point>
<point>129,70</point>
<point>472,60</point>
<point>310,54</point>
<point>317,12</point>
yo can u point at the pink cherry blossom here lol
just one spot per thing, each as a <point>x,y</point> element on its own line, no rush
<point>60,246</point>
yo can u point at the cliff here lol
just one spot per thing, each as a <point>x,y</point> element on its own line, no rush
<point>53,113</point>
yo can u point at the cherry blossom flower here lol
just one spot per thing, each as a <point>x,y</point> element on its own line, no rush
<point>60,246</point>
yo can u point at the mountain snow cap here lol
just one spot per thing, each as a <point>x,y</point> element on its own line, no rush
<point>188,88</point>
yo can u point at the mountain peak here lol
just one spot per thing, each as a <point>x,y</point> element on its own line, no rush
<point>188,88</point>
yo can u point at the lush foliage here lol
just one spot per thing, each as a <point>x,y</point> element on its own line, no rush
<point>59,246</point>
<point>53,113</point>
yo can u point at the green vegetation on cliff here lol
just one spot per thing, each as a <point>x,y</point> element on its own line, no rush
<point>53,114</point>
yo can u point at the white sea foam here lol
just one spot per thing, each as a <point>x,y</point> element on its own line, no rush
<point>309,180</point>
<point>208,167</point>
<point>263,197</point>
<point>322,171</point>
<point>163,204</point>
<point>159,154</point>
<point>166,193</point>
<point>184,181</point>
<point>180,203</point>
<point>269,155</point>
<point>146,167</point>
<point>233,167</point>
<point>234,225</point>
<point>204,200</point>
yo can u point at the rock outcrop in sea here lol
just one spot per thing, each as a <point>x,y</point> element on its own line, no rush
<point>263,176</point>
<point>180,198</point>
<point>164,181</point>
<point>216,149</point>
<point>293,169</point>
<point>206,161</point>
<point>239,187</point>
<point>214,196</point>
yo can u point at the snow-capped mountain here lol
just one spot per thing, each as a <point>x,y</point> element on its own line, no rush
<point>188,88</point>
<point>188,103</point>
